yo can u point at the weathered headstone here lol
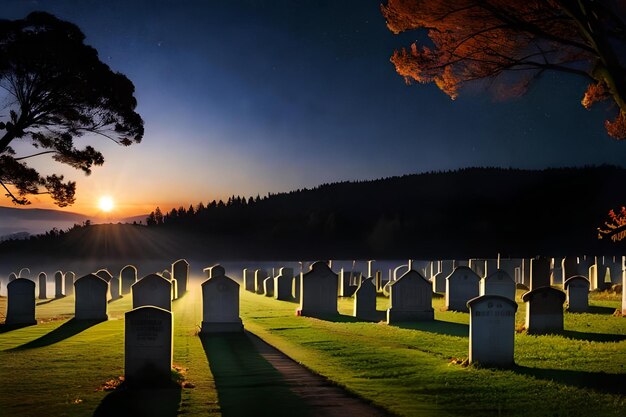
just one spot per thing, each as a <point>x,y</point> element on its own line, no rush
<point>24,273</point>
<point>544,310</point>
<point>478,266</point>
<point>259,277</point>
<point>166,274</point>
<point>345,283</point>
<point>462,285</point>
<point>148,340</point>
<point>411,299</point>
<point>283,284</point>
<point>128,276</point>
<point>58,284</point>
<point>180,272</point>
<point>20,302</point>
<point>268,287</point>
<point>525,272</point>
<point>12,276</point>
<point>248,280</point>
<point>569,266</point>
<point>492,330</point>
<point>220,304</point>
<point>90,298</point>
<point>498,283</point>
<point>69,278</point>
<point>152,290</point>
<point>115,287</point>
<point>365,301</point>
<point>104,274</point>
<point>318,291</point>
<point>439,282</point>
<point>43,284</point>
<point>577,290</point>
<point>539,272</point>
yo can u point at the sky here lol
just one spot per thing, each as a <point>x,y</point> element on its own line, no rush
<point>250,97</point>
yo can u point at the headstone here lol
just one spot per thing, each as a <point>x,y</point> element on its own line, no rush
<point>24,273</point>
<point>268,287</point>
<point>584,263</point>
<point>90,298</point>
<point>115,287</point>
<point>152,290</point>
<point>557,271</point>
<point>462,285</point>
<point>525,271</point>
<point>259,277</point>
<point>283,284</point>
<point>539,272</point>
<point>12,276</point>
<point>166,274</point>
<point>478,266</point>
<point>58,284</point>
<point>615,268</point>
<point>491,266</point>
<point>248,280</point>
<point>498,283</point>
<point>174,294</point>
<point>544,310</point>
<point>104,274</point>
<point>399,271</point>
<point>43,284</point>
<point>439,282</point>
<point>20,302</point>
<point>297,281</point>
<point>569,266</point>
<point>318,291</point>
<point>180,272</point>
<point>215,271</point>
<point>148,341</point>
<point>577,290</point>
<point>128,276</point>
<point>492,330</point>
<point>365,301</point>
<point>69,282</point>
<point>411,299</point>
<point>446,268</point>
<point>220,304</point>
<point>346,282</point>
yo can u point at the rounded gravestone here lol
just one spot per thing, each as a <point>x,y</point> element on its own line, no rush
<point>544,310</point>
<point>104,274</point>
<point>462,285</point>
<point>498,283</point>
<point>492,330</point>
<point>152,290</point>
<point>410,299</point>
<point>318,291</point>
<point>577,291</point>
<point>20,302</point>
<point>90,298</point>
<point>43,284</point>
<point>69,278</point>
<point>220,303</point>
<point>58,284</point>
<point>128,276</point>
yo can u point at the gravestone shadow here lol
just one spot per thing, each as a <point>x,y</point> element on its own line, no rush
<point>600,310</point>
<point>68,329</point>
<point>127,401</point>
<point>50,300</point>
<point>599,381</point>
<point>4,328</point>
<point>247,384</point>
<point>436,326</point>
<point>592,337</point>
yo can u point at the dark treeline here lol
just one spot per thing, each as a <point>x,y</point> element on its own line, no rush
<point>473,212</point>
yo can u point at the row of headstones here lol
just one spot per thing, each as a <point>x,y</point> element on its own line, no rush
<point>602,271</point>
<point>149,329</point>
<point>492,317</point>
<point>91,294</point>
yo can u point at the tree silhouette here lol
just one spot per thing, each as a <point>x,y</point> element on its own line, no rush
<point>512,42</point>
<point>57,90</point>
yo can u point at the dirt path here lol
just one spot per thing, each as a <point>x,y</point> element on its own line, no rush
<point>255,379</point>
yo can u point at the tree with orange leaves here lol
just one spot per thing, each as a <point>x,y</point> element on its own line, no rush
<point>512,42</point>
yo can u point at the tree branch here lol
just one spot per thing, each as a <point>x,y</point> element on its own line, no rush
<point>35,154</point>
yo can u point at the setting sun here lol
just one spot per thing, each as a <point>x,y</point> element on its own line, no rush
<point>106,203</point>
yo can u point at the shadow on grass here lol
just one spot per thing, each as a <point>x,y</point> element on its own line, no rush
<point>68,329</point>
<point>4,328</point>
<point>599,381</point>
<point>592,337</point>
<point>247,384</point>
<point>600,310</point>
<point>128,401</point>
<point>436,326</point>
<point>50,300</point>
<point>115,299</point>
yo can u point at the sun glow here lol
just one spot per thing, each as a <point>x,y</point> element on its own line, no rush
<point>106,204</point>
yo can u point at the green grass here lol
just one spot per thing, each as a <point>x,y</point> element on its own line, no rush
<point>57,367</point>
<point>412,371</point>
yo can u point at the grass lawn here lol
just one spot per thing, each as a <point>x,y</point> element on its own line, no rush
<point>58,367</point>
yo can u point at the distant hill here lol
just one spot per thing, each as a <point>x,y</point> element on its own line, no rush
<point>34,221</point>
<point>474,212</point>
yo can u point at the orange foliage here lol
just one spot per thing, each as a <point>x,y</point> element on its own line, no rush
<point>474,40</point>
